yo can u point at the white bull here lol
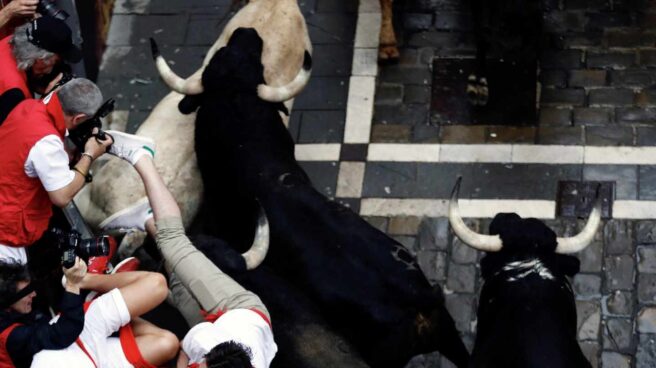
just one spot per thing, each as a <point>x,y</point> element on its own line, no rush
<point>116,186</point>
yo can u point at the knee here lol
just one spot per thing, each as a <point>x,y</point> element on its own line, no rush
<point>158,286</point>
<point>168,343</point>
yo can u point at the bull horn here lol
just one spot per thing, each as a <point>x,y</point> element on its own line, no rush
<point>486,243</point>
<point>189,86</point>
<point>258,251</point>
<point>288,91</point>
<point>581,240</point>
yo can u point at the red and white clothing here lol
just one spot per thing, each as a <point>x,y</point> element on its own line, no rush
<point>34,164</point>
<point>105,315</point>
<point>243,326</point>
<point>10,75</point>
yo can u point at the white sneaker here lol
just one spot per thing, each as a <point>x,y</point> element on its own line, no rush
<point>130,147</point>
<point>130,218</point>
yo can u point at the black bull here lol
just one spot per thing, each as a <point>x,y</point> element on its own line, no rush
<point>526,312</point>
<point>365,284</point>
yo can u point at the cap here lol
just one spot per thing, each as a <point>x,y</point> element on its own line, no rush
<point>55,36</point>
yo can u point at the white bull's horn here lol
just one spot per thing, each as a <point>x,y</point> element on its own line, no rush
<point>189,86</point>
<point>486,243</point>
<point>258,251</point>
<point>293,88</point>
<point>581,240</point>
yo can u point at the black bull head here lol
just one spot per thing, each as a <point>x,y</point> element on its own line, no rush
<point>363,283</point>
<point>526,312</point>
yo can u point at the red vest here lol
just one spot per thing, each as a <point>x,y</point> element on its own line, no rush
<point>25,207</point>
<point>10,75</point>
<point>5,359</point>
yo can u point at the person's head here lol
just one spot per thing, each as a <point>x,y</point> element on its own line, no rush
<point>16,293</point>
<point>228,354</point>
<point>40,44</point>
<point>80,98</point>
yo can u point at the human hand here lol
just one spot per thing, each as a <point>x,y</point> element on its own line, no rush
<point>53,83</point>
<point>75,275</point>
<point>96,146</point>
<point>23,8</point>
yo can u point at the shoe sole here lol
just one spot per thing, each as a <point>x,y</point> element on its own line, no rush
<point>121,213</point>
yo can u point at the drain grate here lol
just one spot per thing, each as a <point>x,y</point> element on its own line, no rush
<point>575,198</point>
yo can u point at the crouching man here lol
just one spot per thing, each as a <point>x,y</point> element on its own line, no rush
<point>127,295</point>
<point>237,332</point>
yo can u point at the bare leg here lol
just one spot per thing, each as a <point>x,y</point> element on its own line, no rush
<point>157,346</point>
<point>142,291</point>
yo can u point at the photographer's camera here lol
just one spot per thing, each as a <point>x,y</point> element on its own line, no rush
<point>71,244</point>
<point>48,7</point>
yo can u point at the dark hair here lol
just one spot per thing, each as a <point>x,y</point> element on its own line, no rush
<point>229,354</point>
<point>11,272</point>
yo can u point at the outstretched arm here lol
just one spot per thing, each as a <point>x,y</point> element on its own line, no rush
<point>161,200</point>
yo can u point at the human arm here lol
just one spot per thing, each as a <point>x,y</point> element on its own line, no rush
<point>26,340</point>
<point>49,161</point>
<point>17,8</point>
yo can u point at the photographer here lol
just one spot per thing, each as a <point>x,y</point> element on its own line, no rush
<point>31,57</point>
<point>126,296</point>
<point>35,166</point>
<point>21,334</point>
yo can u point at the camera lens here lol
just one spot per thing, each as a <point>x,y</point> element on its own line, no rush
<point>48,7</point>
<point>94,247</point>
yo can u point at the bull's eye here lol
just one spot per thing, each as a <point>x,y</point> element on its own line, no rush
<point>285,179</point>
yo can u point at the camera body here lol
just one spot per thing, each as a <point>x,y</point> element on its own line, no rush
<point>48,7</point>
<point>71,244</point>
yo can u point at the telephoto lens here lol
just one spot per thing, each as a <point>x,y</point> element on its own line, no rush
<point>94,247</point>
<point>48,7</point>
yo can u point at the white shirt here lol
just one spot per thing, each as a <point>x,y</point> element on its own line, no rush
<point>243,326</point>
<point>47,160</point>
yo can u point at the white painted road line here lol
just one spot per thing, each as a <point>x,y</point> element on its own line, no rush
<point>360,109</point>
<point>317,152</point>
<point>487,208</point>
<point>403,153</point>
<point>350,179</point>
<point>495,153</point>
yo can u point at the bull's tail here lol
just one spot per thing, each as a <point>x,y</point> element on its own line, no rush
<point>293,88</point>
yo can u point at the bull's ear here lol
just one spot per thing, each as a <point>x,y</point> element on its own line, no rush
<point>189,104</point>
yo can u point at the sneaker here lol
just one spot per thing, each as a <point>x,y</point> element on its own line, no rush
<point>100,264</point>
<point>130,147</point>
<point>130,218</point>
<point>126,265</point>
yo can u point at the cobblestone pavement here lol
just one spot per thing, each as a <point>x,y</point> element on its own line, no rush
<point>597,77</point>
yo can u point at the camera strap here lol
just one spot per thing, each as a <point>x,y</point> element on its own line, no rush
<point>20,294</point>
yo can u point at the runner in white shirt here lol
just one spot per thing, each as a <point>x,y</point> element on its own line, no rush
<point>238,333</point>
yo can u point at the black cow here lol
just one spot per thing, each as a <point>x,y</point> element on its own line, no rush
<point>511,30</point>
<point>365,284</point>
<point>526,312</point>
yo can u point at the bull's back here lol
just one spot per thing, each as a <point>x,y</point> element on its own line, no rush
<point>281,26</point>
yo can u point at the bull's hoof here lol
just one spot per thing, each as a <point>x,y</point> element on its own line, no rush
<point>388,54</point>
<point>477,90</point>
